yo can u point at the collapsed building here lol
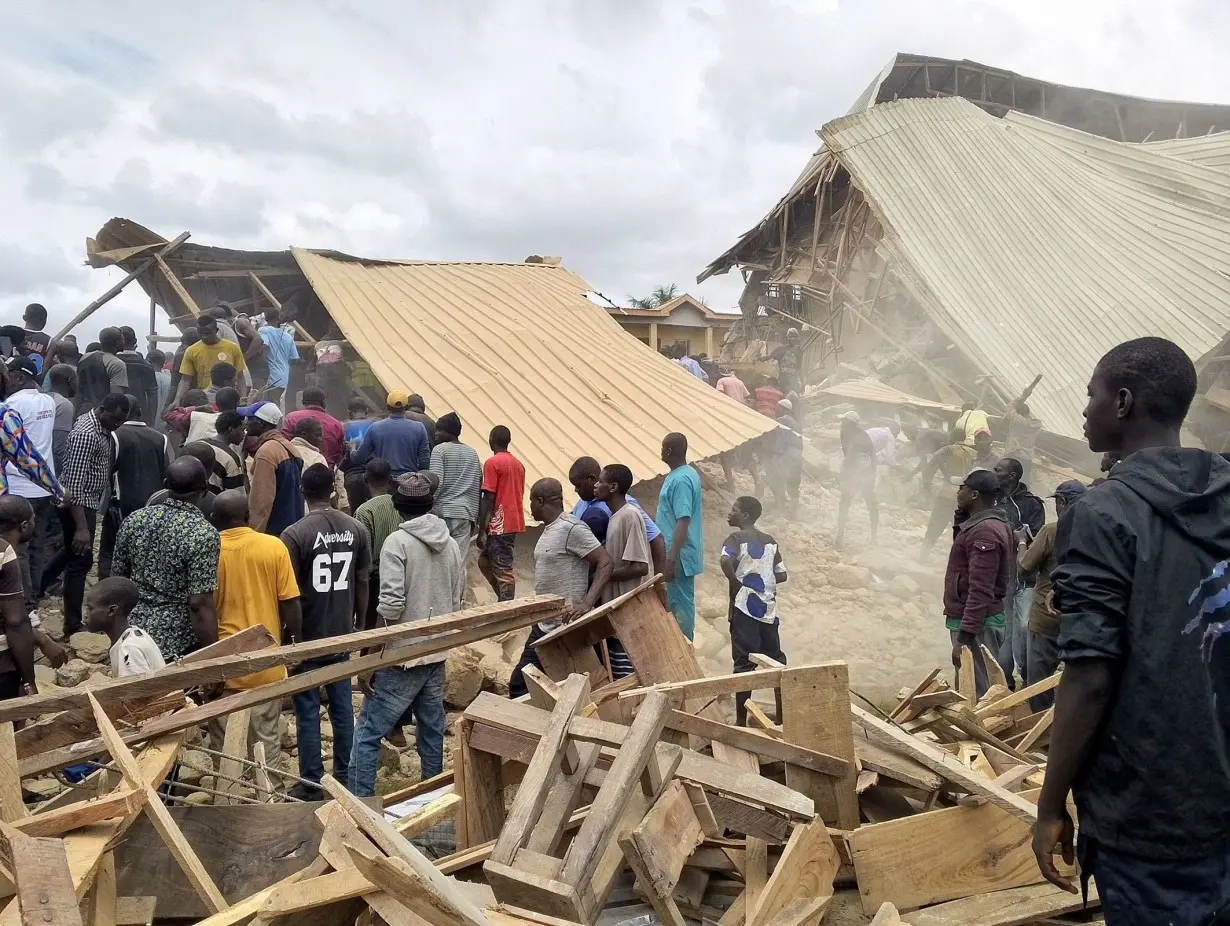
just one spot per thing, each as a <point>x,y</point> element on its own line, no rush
<point>497,343</point>
<point>965,230</point>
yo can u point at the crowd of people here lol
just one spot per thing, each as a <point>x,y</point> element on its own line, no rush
<point>217,512</point>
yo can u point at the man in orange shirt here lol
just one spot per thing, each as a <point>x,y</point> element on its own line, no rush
<point>501,514</point>
<point>256,585</point>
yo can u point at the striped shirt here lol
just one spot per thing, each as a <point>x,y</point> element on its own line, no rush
<point>378,515</point>
<point>461,480</point>
<point>17,448</point>
<point>87,472</point>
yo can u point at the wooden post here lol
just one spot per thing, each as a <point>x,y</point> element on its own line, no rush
<point>709,341</point>
<point>119,287</point>
<point>653,335</point>
<point>177,285</point>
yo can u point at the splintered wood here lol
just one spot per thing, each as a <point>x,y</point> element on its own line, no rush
<point>589,793</point>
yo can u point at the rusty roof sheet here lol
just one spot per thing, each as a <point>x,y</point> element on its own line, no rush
<point>1036,248</point>
<point>521,345</point>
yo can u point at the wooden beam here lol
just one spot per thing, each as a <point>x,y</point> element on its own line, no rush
<point>276,303</point>
<point>44,884</point>
<point>743,738</point>
<point>1013,907</point>
<point>945,765</point>
<point>426,817</point>
<point>177,286</point>
<point>708,688</point>
<point>12,807</point>
<point>119,287</point>
<point>320,891</point>
<point>103,900</point>
<point>157,811</point>
<point>523,611</point>
<point>904,703</point>
<point>85,813</point>
<point>1005,705</point>
<point>235,747</point>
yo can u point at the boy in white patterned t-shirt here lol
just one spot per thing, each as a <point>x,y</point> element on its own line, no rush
<point>107,606</point>
<point>752,564</point>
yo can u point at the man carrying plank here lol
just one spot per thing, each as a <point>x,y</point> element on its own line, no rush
<point>1142,713</point>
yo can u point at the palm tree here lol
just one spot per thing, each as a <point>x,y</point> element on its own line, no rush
<point>659,297</point>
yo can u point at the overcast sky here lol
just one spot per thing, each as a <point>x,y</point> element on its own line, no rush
<point>635,138</point>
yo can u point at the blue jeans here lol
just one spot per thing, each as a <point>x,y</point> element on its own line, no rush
<point>1013,653</point>
<point>1138,891</point>
<point>396,690</point>
<point>307,726</point>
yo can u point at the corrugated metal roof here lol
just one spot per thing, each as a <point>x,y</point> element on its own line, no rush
<point>1037,248</point>
<point>872,390</point>
<point>1208,150</point>
<point>520,345</point>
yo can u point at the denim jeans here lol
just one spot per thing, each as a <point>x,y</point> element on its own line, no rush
<point>396,689</point>
<point>307,726</point>
<point>1013,652</point>
<point>1138,891</point>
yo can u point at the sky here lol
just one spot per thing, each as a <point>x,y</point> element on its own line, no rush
<point>635,139</point>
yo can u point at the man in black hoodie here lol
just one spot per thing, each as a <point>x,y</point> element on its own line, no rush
<point>1142,714</point>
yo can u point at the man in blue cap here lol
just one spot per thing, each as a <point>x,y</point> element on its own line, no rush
<point>1042,650</point>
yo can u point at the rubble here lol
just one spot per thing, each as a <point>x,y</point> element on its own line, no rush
<point>92,647</point>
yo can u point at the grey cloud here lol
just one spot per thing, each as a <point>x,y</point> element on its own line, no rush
<point>392,143</point>
<point>25,271</point>
<point>33,116</point>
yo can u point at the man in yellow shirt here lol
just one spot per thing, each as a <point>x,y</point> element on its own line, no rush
<point>256,585</point>
<point>200,358</point>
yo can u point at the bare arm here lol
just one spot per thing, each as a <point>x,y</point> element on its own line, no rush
<point>486,504</point>
<point>20,634</point>
<point>290,614</point>
<point>628,570</point>
<point>678,539</point>
<point>362,595</point>
<point>204,618</point>
<point>604,567</point>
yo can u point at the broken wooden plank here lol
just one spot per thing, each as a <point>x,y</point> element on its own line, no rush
<point>235,747</point>
<point>760,744</point>
<point>316,892</point>
<point>757,716</point>
<point>1017,698</point>
<point>705,689</point>
<point>805,871</point>
<point>1014,907</point>
<point>541,773</point>
<point>942,855</point>
<point>816,714</point>
<point>74,816</point>
<point>945,765</point>
<point>12,807</point>
<point>995,672</point>
<point>904,704</point>
<point>877,758</point>
<point>966,677</point>
<point>963,721</point>
<point>45,890</point>
<point>427,816</point>
<point>700,806</point>
<point>157,812</point>
<point>102,900</point>
<point>1037,731</point>
<point>756,850</point>
<point>340,834</point>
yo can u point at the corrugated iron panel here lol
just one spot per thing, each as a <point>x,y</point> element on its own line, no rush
<point>872,390</point>
<point>1209,150</point>
<point>1037,249</point>
<point>520,345</point>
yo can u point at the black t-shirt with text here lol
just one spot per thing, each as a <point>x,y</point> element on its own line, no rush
<point>328,550</point>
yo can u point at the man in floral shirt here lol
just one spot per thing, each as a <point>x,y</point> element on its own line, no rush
<point>171,551</point>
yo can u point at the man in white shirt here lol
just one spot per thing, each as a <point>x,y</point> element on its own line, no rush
<point>38,416</point>
<point>107,606</point>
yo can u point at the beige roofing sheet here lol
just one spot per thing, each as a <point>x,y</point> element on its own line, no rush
<point>872,390</point>
<point>1037,248</point>
<point>520,345</point>
<point>1210,150</point>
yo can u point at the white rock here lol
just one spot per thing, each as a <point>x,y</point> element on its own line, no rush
<point>92,647</point>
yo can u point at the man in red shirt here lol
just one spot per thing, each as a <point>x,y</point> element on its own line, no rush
<point>501,515</point>
<point>333,432</point>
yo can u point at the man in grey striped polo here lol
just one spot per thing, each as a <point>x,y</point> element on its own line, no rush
<point>461,480</point>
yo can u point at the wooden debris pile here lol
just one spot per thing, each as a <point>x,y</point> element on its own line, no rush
<point>592,794</point>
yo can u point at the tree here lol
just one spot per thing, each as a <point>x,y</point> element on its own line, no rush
<point>659,297</point>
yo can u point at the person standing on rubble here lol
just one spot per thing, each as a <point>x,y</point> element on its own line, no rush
<point>461,481</point>
<point>402,441</point>
<point>1026,515</point>
<point>275,484</point>
<point>1142,711</point>
<point>858,474</point>
<point>199,359</point>
<point>730,385</point>
<point>101,372</point>
<point>583,474</point>
<point>953,462</point>
<point>332,558</point>
<point>422,577</point>
<point>679,520</point>
<point>976,580</point>
<point>1038,558</point>
<point>501,515</point>
<point>333,432</point>
<point>1021,431</point>
<point>786,465</point>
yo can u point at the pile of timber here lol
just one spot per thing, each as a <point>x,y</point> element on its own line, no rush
<point>571,806</point>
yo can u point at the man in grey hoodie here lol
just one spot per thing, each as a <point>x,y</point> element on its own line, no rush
<point>422,576</point>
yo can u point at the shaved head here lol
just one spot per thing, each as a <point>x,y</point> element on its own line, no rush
<point>547,488</point>
<point>186,476</point>
<point>230,509</point>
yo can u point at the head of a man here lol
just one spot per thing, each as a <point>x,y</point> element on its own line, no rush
<point>674,449</point>
<point>202,452</point>
<point>1139,395</point>
<point>196,398</point>
<point>207,328</point>
<point>190,336</point>
<point>614,481</point>
<point>22,374</point>
<point>785,408</point>
<point>745,512</point>
<point>982,442</point>
<point>128,335</point>
<point>792,336</point>
<point>111,340</point>
<point>546,500</point>
<point>314,398</point>
<point>17,520</point>
<point>317,482</point>
<point>979,491</point>
<point>134,407</point>
<point>377,474</point>
<point>1066,493</point>
<point>357,408</point>
<point>157,358</point>
<point>415,403</point>
<point>113,410</point>
<point>34,318</point>
<point>187,479</point>
<point>108,601</point>
<point>448,428</point>
<point>499,439</point>
<point>415,494</point>
<point>310,430</point>
<point>1109,459</point>
<point>1009,472</point>
<point>227,398</point>
<point>230,426</point>
<point>583,474</point>
<point>262,418</point>
<point>63,378</point>
<point>395,403</point>
<point>230,510</point>
<point>222,374</point>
